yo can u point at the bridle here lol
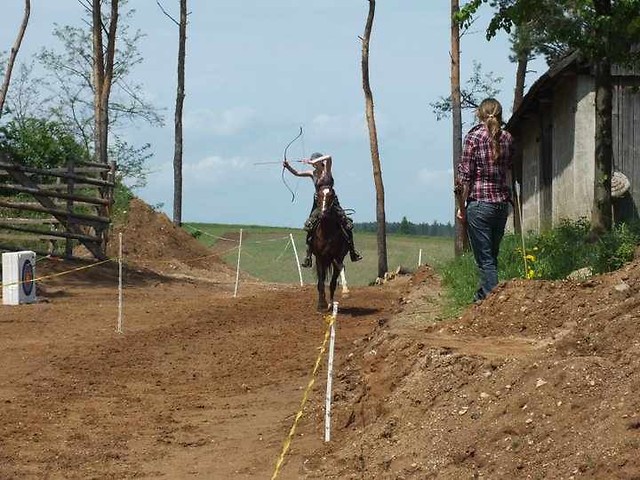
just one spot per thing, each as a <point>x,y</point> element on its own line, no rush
<point>326,196</point>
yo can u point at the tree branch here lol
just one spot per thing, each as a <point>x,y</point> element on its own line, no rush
<point>14,54</point>
<point>167,13</point>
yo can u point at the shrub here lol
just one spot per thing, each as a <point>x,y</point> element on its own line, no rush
<point>551,255</point>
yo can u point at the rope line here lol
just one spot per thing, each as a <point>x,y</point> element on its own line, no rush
<point>329,319</point>
<point>284,250</point>
<point>233,239</point>
<point>57,274</point>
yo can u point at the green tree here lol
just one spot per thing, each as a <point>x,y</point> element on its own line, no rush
<point>406,227</point>
<point>69,92</point>
<point>40,143</point>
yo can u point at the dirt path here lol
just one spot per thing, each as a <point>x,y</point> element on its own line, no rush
<point>539,381</point>
<point>199,384</point>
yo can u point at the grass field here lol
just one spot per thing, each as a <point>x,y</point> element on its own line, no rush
<point>267,253</point>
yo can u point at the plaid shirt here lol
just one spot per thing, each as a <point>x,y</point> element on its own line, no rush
<point>487,178</point>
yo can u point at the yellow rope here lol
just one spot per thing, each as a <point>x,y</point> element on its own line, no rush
<point>56,274</point>
<point>329,319</point>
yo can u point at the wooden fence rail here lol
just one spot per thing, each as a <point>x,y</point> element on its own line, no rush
<point>71,205</point>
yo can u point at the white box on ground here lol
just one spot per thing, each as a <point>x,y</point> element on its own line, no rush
<point>18,275</point>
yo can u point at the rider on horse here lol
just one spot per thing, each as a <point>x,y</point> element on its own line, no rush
<point>321,176</point>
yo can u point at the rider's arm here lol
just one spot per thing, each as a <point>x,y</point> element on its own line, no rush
<point>308,173</point>
<point>327,162</point>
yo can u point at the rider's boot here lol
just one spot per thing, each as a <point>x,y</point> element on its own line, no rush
<point>353,253</point>
<point>307,262</point>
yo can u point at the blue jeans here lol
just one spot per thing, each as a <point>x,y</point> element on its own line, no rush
<point>485,227</point>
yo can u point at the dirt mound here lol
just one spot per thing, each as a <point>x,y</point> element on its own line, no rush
<point>538,381</point>
<point>152,241</point>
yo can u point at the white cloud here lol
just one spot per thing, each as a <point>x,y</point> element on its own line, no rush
<point>225,123</point>
<point>214,170</point>
<point>216,163</point>
<point>208,171</point>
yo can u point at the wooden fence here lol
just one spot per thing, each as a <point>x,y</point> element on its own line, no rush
<point>52,211</point>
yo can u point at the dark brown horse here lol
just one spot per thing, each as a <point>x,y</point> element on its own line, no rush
<point>329,246</point>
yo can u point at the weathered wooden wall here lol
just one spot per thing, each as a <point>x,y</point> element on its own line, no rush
<point>626,140</point>
<point>561,119</point>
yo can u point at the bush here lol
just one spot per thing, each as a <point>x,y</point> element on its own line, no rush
<point>550,256</point>
<point>40,143</point>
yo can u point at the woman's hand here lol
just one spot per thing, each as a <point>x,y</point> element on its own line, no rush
<point>461,214</point>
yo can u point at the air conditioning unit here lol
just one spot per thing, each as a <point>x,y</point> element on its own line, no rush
<point>18,277</point>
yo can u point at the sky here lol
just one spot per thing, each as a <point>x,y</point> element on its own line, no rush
<point>257,71</point>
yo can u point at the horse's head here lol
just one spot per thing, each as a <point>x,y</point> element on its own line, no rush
<point>326,197</point>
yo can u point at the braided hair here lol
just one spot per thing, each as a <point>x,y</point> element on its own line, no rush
<point>490,113</point>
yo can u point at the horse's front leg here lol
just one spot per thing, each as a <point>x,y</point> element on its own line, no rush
<point>337,268</point>
<point>321,273</point>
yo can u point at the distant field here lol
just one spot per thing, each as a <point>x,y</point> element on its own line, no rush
<point>267,252</point>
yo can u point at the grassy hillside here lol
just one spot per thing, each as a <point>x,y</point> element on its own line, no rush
<point>267,253</point>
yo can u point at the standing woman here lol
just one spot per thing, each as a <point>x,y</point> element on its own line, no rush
<point>484,173</point>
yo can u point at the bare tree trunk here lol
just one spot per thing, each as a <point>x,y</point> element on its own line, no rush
<point>373,144</point>
<point>177,153</point>
<point>103,62</point>
<point>521,74</point>
<point>601,215</point>
<point>177,147</point>
<point>14,53</point>
<point>461,242</point>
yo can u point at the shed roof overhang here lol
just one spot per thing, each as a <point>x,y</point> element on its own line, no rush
<point>540,91</point>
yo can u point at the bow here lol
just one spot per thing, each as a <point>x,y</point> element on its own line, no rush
<point>293,195</point>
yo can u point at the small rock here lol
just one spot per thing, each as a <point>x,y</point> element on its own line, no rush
<point>580,274</point>
<point>622,287</point>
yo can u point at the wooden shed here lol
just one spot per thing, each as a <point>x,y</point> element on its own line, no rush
<point>554,128</point>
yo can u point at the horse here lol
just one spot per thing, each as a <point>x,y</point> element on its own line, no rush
<point>328,245</point>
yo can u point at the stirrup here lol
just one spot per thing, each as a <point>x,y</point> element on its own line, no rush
<point>306,263</point>
<point>355,256</point>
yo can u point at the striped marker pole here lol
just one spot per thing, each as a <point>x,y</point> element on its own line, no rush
<point>235,290</point>
<point>327,407</point>
<point>119,329</point>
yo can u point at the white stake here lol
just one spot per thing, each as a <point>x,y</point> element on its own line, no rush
<point>295,252</point>
<point>235,291</point>
<point>327,407</point>
<point>420,258</point>
<point>119,328</point>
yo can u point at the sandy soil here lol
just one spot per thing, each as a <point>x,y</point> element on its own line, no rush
<point>539,381</point>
